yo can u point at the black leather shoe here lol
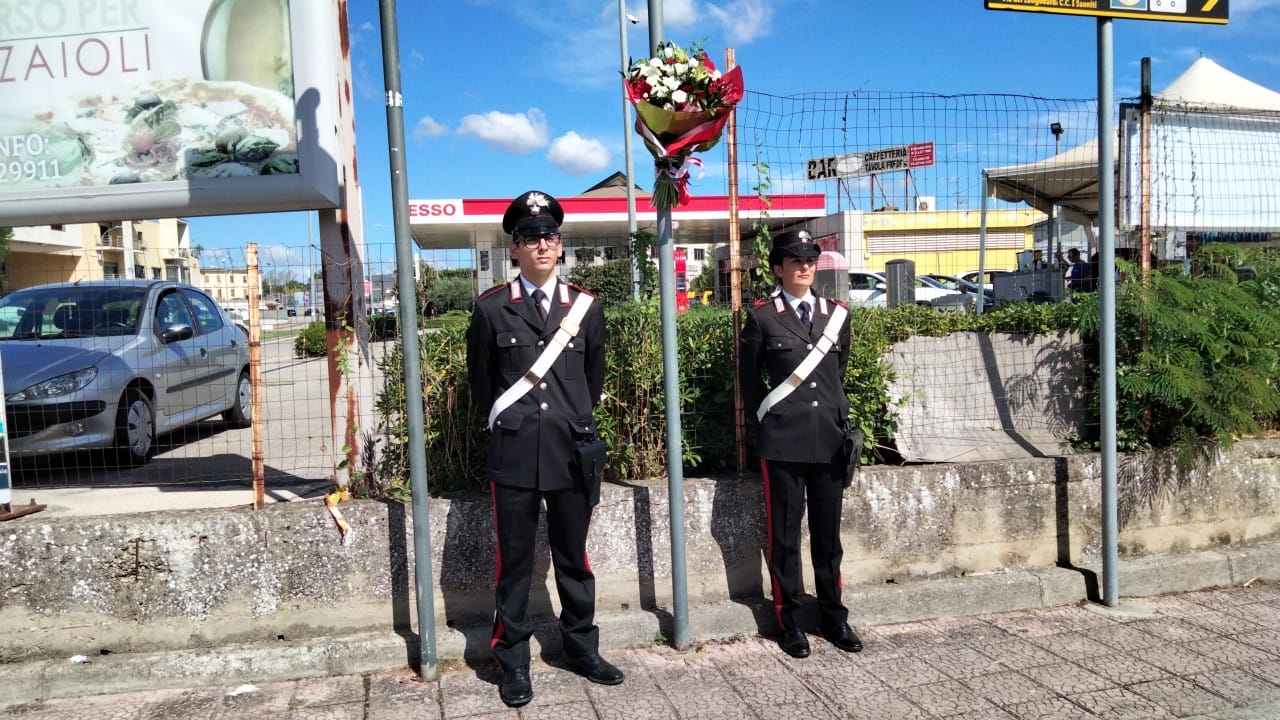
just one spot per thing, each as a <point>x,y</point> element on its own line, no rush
<point>516,689</point>
<point>595,668</point>
<point>843,637</point>
<point>794,643</point>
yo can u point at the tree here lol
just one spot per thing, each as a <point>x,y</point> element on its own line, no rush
<point>642,243</point>
<point>706,279</point>
<point>6,234</point>
<point>610,282</point>
<point>440,291</point>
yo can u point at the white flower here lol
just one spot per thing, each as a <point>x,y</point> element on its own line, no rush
<point>668,52</point>
<point>671,83</point>
<point>656,62</point>
<point>679,97</point>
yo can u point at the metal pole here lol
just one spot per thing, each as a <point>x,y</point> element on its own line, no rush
<point>982,248</point>
<point>311,271</point>
<point>255,378</point>
<point>735,272</point>
<point>671,393</point>
<point>623,19</point>
<point>423,590</point>
<point>1107,323</point>
<point>1055,215</point>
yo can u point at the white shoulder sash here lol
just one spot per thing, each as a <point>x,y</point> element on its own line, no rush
<point>569,326</point>
<point>829,336</point>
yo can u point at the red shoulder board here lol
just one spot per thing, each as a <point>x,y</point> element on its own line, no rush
<point>581,290</point>
<point>492,290</point>
<point>758,303</point>
<point>843,304</point>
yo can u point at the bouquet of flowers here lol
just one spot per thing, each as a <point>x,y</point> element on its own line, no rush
<point>682,104</point>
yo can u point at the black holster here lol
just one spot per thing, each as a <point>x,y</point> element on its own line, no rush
<point>589,462</point>
<point>853,442</point>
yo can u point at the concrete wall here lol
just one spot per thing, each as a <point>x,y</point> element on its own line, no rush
<point>164,581</point>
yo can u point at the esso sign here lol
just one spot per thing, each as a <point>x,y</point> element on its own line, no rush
<point>436,208</point>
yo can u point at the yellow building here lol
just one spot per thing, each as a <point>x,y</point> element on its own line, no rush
<point>944,241</point>
<point>149,249</point>
<point>227,285</point>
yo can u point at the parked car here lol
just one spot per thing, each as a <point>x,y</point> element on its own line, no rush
<point>988,280</point>
<point>950,282</point>
<point>291,312</point>
<point>868,290</point>
<point>115,363</point>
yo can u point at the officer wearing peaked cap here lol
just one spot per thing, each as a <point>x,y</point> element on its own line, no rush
<point>536,357</point>
<point>794,348</point>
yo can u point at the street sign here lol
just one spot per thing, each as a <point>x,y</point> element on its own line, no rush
<point>872,162</point>
<point>1197,11</point>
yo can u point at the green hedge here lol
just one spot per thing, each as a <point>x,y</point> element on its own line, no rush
<point>1196,359</point>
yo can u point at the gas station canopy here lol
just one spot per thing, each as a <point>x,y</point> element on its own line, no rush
<point>456,223</point>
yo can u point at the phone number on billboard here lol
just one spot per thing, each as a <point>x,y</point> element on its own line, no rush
<point>15,171</point>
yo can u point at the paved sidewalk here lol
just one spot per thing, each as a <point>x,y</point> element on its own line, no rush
<point>1209,654</point>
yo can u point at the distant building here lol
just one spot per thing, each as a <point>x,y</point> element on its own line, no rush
<point>227,285</point>
<point>147,249</point>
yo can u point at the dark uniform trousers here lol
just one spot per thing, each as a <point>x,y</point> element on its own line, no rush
<point>530,459</point>
<point>786,485</point>
<point>801,445</point>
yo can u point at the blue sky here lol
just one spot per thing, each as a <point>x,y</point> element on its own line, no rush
<point>501,96</point>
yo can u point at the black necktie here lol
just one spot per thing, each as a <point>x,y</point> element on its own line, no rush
<point>804,316</point>
<point>538,298</point>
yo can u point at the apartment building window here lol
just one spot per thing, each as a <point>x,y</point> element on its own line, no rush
<point>699,254</point>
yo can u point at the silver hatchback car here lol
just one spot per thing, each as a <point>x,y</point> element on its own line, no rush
<point>115,363</point>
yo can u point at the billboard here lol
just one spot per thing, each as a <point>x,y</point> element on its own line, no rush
<point>1210,170</point>
<point>1198,11</point>
<point>127,110</point>
<point>871,162</point>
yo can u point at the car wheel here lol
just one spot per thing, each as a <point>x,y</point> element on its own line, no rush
<point>135,428</point>
<point>241,411</point>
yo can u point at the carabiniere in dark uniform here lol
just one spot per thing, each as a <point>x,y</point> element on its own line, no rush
<point>801,439</point>
<point>539,441</point>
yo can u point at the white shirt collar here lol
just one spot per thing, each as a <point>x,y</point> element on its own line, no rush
<point>549,288</point>
<point>794,301</point>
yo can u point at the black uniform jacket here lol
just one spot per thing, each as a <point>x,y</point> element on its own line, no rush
<point>533,441</point>
<point>809,424</point>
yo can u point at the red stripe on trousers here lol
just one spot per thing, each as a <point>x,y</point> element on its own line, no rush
<point>768,539</point>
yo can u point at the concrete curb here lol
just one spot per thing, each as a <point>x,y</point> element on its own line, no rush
<point>869,605</point>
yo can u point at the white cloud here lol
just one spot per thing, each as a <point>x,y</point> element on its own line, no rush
<point>518,133</point>
<point>577,155</point>
<point>428,127</point>
<point>743,20</point>
<point>677,13</point>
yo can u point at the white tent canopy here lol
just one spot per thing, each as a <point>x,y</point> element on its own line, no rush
<point>1069,179</point>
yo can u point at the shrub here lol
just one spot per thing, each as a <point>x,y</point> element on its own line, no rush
<point>383,326</point>
<point>610,282</point>
<point>311,342</point>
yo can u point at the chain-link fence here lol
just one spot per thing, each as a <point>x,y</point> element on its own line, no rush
<point>1208,174</point>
